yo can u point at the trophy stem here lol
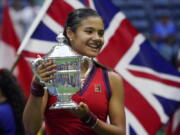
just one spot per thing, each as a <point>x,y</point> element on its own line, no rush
<point>64,101</point>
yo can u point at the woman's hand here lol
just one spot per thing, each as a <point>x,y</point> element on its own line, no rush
<point>81,110</point>
<point>46,70</point>
<point>85,115</point>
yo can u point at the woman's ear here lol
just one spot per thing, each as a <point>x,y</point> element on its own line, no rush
<point>69,33</point>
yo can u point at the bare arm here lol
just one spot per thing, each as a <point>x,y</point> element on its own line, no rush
<point>35,107</point>
<point>33,114</point>
<point>116,109</point>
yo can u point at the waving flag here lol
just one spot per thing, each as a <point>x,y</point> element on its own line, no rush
<point>152,91</point>
<point>9,41</point>
<point>9,44</point>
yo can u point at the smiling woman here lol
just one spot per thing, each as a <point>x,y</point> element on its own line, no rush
<point>85,30</point>
<point>101,93</point>
<point>88,38</point>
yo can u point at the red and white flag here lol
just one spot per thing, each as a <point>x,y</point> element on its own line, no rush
<point>9,44</point>
<point>152,85</point>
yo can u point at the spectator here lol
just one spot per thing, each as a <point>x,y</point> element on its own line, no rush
<point>12,103</point>
<point>22,16</point>
<point>164,37</point>
<point>29,13</point>
<point>15,14</point>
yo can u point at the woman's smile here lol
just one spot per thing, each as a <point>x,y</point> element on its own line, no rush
<point>88,39</point>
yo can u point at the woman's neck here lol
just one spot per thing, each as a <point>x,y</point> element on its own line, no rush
<point>86,66</point>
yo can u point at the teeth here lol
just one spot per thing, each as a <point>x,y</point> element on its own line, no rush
<point>93,46</point>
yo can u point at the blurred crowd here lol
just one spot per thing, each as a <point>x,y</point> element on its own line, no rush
<point>22,12</point>
<point>164,40</point>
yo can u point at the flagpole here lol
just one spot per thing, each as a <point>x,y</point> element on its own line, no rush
<point>15,63</point>
<point>32,28</point>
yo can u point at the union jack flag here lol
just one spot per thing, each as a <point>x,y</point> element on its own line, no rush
<point>151,84</point>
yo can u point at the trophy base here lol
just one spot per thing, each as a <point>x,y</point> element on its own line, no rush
<point>64,105</point>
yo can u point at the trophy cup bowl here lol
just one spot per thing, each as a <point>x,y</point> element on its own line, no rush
<point>67,77</point>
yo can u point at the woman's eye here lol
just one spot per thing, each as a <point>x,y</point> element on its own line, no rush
<point>89,31</point>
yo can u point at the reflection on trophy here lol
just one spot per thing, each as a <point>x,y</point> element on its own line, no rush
<point>67,77</point>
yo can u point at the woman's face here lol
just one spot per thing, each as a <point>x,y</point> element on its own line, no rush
<point>88,38</point>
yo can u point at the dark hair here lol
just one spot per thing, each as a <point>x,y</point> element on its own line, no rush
<point>11,89</point>
<point>75,18</point>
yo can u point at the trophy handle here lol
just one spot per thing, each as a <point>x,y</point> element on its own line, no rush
<point>34,65</point>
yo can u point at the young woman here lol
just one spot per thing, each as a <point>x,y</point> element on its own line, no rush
<point>12,103</point>
<point>101,93</point>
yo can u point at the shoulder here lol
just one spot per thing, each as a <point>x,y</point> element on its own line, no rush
<point>6,109</point>
<point>114,77</point>
<point>7,119</point>
<point>7,115</point>
<point>116,84</point>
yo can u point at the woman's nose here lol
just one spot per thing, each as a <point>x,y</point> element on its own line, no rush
<point>96,36</point>
<point>98,39</point>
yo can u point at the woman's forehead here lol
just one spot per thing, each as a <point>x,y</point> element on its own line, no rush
<point>93,21</point>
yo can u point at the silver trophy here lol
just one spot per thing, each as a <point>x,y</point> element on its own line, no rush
<point>67,77</point>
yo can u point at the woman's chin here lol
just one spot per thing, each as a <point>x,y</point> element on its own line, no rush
<point>92,55</point>
<point>89,53</point>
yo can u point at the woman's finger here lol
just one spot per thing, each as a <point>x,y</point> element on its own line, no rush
<point>47,73</point>
<point>45,69</point>
<point>47,79</point>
